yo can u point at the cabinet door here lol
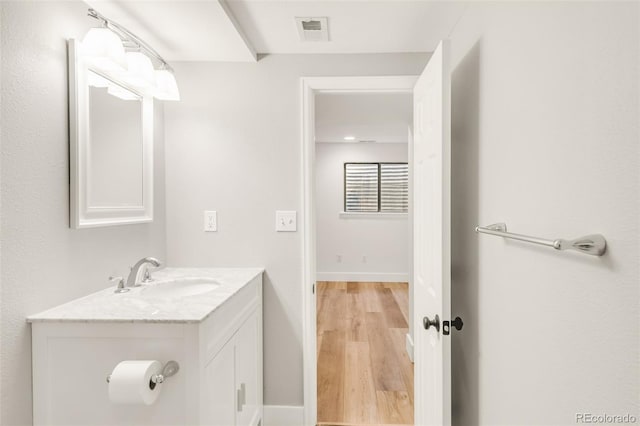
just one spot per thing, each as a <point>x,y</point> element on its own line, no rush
<point>219,406</point>
<point>248,371</point>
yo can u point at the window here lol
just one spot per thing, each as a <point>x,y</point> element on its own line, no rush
<point>376,187</point>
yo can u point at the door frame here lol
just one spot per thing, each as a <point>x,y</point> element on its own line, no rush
<point>310,86</point>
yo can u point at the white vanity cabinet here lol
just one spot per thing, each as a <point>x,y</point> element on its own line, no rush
<point>220,356</point>
<point>232,383</point>
<point>232,374</point>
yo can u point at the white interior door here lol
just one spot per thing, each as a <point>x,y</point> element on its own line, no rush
<point>432,261</point>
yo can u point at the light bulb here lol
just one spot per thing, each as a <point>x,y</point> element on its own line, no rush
<point>103,49</point>
<point>166,86</point>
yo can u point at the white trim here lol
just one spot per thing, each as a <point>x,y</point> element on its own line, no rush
<point>310,86</point>
<point>282,415</point>
<point>307,230</point>
<point>364,277</point>
<point>392,84</point>
<point>373,215</point>
<point>409,345</point>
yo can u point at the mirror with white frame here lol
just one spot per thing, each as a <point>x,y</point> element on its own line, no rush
<point>111,149</point>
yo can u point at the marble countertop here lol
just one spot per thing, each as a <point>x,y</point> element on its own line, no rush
<point>138,306</point>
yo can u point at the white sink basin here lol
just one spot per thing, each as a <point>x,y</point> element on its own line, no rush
<point>181,288</point>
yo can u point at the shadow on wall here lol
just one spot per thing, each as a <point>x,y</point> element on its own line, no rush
<point>465,119</point>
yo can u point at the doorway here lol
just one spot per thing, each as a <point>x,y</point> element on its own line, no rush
<point>430,225</point>
<point>363,252</point>
<point>311,87</point>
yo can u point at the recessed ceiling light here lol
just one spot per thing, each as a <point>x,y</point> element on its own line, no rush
<point>349,138</point>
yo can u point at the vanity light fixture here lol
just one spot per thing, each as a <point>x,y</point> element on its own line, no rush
<point>118,52</point>
<point>349,138</point>
<point>166,86</point>
<point>140,72</point>
<point>104,50</point>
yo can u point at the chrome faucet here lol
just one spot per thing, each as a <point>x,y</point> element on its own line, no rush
<point>132,280</point>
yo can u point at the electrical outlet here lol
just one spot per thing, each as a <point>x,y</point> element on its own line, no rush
<point>339,258</point>
<point>286,221</point>
<point>210,221</point>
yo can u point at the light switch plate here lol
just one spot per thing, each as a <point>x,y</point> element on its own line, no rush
<point>210,221</point>
<point>286,221</point>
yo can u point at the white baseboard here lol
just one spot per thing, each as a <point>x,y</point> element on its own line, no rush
<point>409,346</point>
<point>381,277</point>
<point>283,415</point>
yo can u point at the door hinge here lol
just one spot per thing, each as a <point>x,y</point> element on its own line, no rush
<point>313,288</point>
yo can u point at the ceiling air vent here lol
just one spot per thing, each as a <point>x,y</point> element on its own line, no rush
<point>313,29</point>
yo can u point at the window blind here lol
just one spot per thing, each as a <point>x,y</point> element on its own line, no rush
<point>361,187</point>
<point>376,187</point>
<point>394,187</point>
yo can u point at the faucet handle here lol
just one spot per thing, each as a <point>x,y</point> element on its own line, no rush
<point>121,288</point>
<point>147,276</point>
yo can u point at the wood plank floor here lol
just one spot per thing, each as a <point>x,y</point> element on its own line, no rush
<point>365,376</point>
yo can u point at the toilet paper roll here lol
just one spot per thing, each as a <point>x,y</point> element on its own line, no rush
<point>130,382</point>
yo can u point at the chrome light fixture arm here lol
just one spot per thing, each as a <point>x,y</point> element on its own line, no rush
<point>130,38</point>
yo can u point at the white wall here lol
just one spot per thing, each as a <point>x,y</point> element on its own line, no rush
<point>545,138</point>
<point>383,240</point>
<point>233,145</point>
<point>44,263</point>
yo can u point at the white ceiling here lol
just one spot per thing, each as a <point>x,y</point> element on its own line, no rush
<point>233,30</point>
<point>202,30</point>
<point>354,26</point>
<point>381,117</point>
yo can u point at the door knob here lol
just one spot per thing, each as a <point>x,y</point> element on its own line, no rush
<point>456,323</point>
<point>431,323</point>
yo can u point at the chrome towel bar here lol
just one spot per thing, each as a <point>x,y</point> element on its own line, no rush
<point>594,245</point>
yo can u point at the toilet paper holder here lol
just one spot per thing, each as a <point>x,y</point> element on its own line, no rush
<point>169,369</point>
